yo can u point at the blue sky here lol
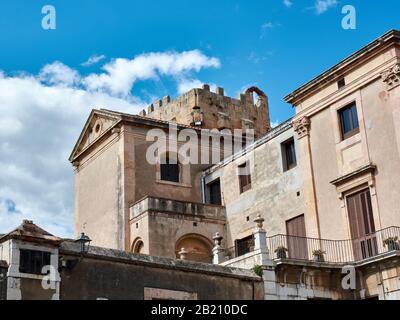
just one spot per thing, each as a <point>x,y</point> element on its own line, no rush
<point>274,44</point>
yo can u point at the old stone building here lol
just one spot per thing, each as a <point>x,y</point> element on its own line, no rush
<point>123,202</point>
<point>312,204</point>
<point>35,265</point>
<point>324,182</point>
<point>345,215</point>
<point>205,109</point>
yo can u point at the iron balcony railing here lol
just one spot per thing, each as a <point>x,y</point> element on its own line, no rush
<point>334,251</point>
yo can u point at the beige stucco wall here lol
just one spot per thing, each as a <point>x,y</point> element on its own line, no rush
<point>377,144</point>
<point>114,174</point>
<point>381,113</point>
<point>97,192</point>
<point>273,194</point>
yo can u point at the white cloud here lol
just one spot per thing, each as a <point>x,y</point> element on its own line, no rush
<point>287,3</point>
<point>275,123</point>
<point>42,116</point>
<point>121,74</point>
<point>185,85</point>
<point>322,6</point>
<point>267,26</point>
<point>58,73</point>
<point>93,60</point>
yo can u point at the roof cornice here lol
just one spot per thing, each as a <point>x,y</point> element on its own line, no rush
<point>338,70</point>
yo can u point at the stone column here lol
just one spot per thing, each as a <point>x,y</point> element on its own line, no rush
<point>302,127</point>
<point>218,251</point>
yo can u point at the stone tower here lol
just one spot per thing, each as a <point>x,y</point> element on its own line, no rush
<point>213,110</point>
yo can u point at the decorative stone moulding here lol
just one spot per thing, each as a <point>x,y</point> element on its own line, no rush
<point>391,77</point>
<point>302,127</point>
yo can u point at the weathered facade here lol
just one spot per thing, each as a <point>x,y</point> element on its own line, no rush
<point>347,146</point>
<point>312,204</point>
<point>105,274</point>
<point>113,175</point>
<point>213,110</point>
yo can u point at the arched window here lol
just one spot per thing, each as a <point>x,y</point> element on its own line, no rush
<point>138,246</point>
<point>169,169</point>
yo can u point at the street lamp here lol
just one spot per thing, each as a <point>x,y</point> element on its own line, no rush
<point>84,242</point>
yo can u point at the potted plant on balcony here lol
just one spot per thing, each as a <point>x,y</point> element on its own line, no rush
<point>391,243</point>
<point>319,255</point>
<point>281,252</point>
<point>258,270</point>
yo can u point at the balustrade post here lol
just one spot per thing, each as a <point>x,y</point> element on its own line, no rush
<point>218,251</point>
<point>260,240</point>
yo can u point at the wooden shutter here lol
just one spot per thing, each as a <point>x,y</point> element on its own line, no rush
<point>362,226</point>
<point>297,242</point>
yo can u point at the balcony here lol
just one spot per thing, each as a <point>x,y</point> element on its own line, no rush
<point>341,252</point>
<point>154,204</point>
<point>334,251</point>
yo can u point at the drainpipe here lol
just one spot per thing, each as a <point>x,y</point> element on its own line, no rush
<point>203,189</point>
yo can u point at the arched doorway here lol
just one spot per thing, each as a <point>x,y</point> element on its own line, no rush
<point>199,248</point>
<point>138,246</point>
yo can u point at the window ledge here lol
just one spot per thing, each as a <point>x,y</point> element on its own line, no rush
<point>175,184</point>
<point>368,169</point>
<point>350,141</point>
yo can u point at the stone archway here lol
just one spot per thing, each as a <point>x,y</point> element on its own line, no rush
<point>199,248</point>
<point>256,90</point>
<point>138,246</point>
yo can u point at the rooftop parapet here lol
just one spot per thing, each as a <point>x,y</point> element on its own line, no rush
<point>177,207</point>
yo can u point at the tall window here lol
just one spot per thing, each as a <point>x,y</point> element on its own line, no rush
<point>32,261</point>
<point>214,189</point>
<point>169,169</point>
<point>244,177</point>
<point>349,121</point>
<point>289,155</point>
<point>244,246</point>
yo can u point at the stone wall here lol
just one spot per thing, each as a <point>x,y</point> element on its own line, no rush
<point>214,110</point>
<point>111,274</point>
<point>3,279</point>
<point>169,221</point>
<point>276,195</point>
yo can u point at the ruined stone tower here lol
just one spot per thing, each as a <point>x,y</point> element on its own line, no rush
<point>205,109</point>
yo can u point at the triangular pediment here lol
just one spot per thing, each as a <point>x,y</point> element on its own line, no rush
<point>97,124</point>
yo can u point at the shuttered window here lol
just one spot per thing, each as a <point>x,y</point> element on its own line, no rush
<point>244,177</point>
<point>297,242</point>
<point>362,225</point>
